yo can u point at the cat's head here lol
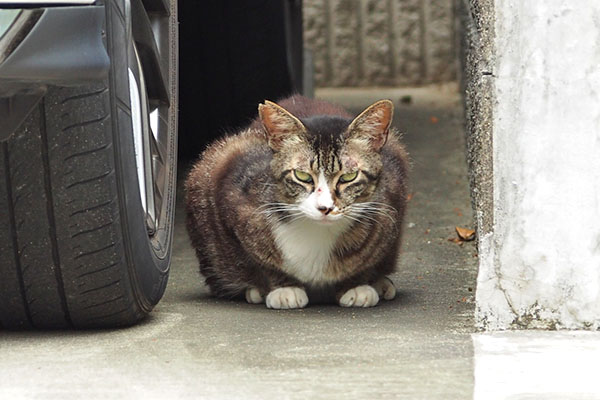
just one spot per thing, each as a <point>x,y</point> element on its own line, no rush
<point>326,165</point>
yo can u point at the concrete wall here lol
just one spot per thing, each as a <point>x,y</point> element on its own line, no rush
<point>477,57</point>
<point>540,256</point>
<point>381,42</point>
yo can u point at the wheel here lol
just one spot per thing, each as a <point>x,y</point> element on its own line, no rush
<point>87,185</point>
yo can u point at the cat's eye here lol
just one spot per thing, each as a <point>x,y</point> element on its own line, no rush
<point>303,176</point>
<point>349,177</point>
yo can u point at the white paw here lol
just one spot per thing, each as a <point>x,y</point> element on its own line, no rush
<point>253,296</point>
<point>360,296</point>
<point>287,297</point>
<point>385,288</point>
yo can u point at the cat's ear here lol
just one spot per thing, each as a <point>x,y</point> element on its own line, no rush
<point>282,128</point>
<point>372,126</point>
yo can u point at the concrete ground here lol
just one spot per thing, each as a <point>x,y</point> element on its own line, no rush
<point>193,346</point>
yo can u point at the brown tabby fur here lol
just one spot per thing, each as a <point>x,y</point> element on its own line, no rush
<point>239,174</point>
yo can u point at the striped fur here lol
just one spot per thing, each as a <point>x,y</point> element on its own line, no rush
<point>254,224</point>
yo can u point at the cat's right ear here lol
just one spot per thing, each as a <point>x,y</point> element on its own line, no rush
<point>282,128</point>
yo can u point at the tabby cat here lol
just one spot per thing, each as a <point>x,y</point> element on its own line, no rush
<point>305,199</point>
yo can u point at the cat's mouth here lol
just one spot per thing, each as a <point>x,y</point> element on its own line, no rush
<point>327,219</point>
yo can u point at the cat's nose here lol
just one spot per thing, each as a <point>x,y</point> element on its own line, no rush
<point>325,210</point>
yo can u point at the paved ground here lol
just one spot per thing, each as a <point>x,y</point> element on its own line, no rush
<point>193,346</point>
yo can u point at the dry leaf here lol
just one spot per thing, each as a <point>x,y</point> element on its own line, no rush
<point>433,119</point>
<point>457,241</point>
<point>465,233</point>
<point>409,197</point>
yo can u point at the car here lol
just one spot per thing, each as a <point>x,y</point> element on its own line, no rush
<point>89,132</point>
<point>88,143</point>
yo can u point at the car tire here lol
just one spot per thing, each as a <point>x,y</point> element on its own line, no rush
<point>83,243</point>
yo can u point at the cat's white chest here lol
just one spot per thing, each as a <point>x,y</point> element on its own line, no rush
<point>307,247</point>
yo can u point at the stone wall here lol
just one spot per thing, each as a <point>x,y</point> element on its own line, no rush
<point>381,42</point>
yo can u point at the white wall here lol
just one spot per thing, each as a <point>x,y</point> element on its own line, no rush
<point>540,267</point>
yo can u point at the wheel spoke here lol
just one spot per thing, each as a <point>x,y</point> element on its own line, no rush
<point>151,33</point>
<point>154,70</point>
<point>160,131</point>
<point>158,172</point>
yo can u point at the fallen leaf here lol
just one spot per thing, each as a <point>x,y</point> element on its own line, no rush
<point>434,120</point>
<point>465,233</point>
<point>457,241</point>
<point>409,197</point>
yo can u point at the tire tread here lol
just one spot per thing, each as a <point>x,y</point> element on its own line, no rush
<point>64,225</point>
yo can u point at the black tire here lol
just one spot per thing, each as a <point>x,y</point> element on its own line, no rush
<point>75,245</point>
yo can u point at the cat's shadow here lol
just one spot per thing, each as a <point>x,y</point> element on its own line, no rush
<point>404,298</point>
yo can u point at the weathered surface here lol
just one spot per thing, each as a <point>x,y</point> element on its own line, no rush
<point>539,261</point>
<point>477,33</point>
<point>381,43</point>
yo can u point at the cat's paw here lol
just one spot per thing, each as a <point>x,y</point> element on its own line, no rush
<point>253,296</point>
<point>287,297</point>
<point>385,288</point>
<point>360,296</point>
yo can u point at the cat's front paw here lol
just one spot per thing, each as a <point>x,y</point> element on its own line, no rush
<point>385,288</point>
<point>360,296</point>
<point>253,295</point>
<point>287,297</point>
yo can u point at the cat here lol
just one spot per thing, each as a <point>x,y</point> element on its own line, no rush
<point>306,198</point>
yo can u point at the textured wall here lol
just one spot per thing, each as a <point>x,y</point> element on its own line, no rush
<point>381,42</point>
<point>539,264</point>
<point>477,56</point>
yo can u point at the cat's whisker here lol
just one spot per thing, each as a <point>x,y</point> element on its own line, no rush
<point>379,204</point>
<point>273,208</point>
<point>297,218</point>
<point>366,208</point>
<point>276,210</point>
<point>368,219</point>
<point>352,218</point>
<point>267,205</point>
<point>381,213</point>
<point>377,211</point>
<point>294,217</point>
<point>370,215</point>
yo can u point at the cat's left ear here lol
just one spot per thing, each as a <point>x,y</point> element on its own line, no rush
<point>372,126</point>
<point>282,128</point>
